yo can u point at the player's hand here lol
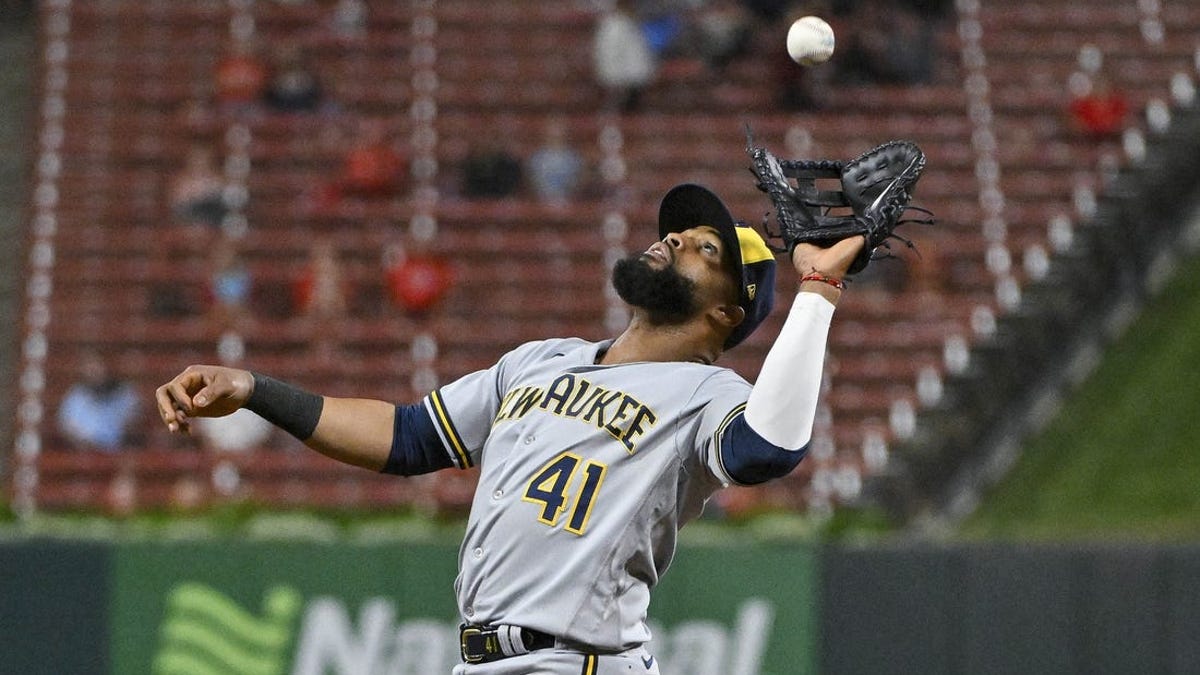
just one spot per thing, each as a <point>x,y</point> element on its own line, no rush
<point>202,391</point>
<point>833,261</point>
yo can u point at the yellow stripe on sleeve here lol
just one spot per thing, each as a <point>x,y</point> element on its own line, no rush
<point>721,431</point>
<point>447,427</point>
<point>726,422</point>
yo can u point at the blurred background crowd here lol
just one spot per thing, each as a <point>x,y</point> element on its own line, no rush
<point>375,198</point>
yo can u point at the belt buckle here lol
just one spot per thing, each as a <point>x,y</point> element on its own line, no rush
<point>477,644</point>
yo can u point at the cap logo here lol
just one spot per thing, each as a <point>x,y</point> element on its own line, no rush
<point>751,289</point>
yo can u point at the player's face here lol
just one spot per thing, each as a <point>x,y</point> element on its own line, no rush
<point>677,277</point>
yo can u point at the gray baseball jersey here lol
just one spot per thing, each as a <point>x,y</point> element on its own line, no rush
<point>587,472</point>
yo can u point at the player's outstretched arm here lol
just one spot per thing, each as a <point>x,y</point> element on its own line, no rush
<point>773,434</point>
<point>354,431</point>
<point>783,403</point>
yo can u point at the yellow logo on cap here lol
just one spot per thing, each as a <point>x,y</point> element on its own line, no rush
<point>750,290</point>
<point>754,249</point>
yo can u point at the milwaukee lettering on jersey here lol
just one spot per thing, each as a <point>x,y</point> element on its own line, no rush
<point>624,417</point>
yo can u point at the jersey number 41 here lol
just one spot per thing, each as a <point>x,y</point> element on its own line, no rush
<point>551,488</point>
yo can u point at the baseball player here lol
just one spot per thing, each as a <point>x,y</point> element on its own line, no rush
<point>592,455</point>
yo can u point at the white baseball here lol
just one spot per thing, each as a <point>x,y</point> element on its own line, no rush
<point>810,41</point>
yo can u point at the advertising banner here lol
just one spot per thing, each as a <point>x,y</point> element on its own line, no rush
<point>335,609</point>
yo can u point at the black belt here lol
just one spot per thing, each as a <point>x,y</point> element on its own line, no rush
<point>483,644</point>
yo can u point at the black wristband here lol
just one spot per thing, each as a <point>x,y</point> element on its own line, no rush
<point>292,409</point>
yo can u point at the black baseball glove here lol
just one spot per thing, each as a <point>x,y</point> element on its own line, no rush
<point>875,188</point>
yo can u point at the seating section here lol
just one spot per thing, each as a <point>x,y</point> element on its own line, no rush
<point>136,97</point>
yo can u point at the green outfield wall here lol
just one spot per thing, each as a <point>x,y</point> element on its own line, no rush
<point>311,609</point>
<point>54,604</point>
<point>228,607</point>
<point>315,609</point>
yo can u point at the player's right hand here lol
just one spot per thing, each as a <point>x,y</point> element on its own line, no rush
<point>202,391</point>
<point>834,260</point>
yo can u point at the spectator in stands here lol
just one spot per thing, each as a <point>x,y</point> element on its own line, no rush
<point>293,85</point>
<point>100,410</point>
<point>374,166</point>
<point>491,170</point>
<point>230,285</point>
<point>416,279</point>
<point>1100,111</point>
<point>555,168</point>
<point>623,59</point>
<point>240,78</point>
<point>320,294</point>
<point>321,290</point>
<point>720,31</point>
<point>663,24</point>
<point>197,190</point>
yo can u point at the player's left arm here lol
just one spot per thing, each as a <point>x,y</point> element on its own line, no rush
<point>771,437</point>
<point>372,434</point>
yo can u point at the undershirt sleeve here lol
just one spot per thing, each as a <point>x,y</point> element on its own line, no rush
<point>783,403</point>
<point>770,436</point>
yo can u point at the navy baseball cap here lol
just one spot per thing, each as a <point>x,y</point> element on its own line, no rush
<point>689,205</point>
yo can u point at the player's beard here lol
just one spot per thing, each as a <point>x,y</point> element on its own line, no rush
<point>668,297</point>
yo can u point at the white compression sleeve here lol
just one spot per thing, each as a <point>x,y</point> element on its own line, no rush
<point>783,402</point>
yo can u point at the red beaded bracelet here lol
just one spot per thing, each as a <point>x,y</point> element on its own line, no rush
<point>817,276</point>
